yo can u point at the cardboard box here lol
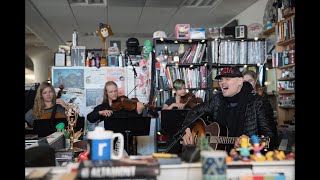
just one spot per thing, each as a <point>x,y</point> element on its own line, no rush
<point>197,33</point>
<point>182,31</point>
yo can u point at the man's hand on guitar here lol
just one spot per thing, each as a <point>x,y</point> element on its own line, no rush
<point>187,138</point>
<point>237,144</point>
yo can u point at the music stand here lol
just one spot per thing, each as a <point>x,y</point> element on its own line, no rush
<point>131,126</point>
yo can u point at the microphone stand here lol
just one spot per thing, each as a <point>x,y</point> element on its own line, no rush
<point>133,68</point>
<point>265,60</point>
<point>181,132</point>
<point>135,74</point>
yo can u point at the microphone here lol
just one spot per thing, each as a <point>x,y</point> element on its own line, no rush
<point>274,46</point>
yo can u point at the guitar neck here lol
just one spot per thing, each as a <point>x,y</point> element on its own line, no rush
<point>232,140</point>
<point>221,139</point>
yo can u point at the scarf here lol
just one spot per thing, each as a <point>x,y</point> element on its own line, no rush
<point>233,109</point>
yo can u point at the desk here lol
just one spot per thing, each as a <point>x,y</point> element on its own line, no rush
<point>191,171</point>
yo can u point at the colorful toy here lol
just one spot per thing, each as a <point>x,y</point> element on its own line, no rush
<point>104,31</point>
<point>234,154</point>
<point>244,149</point>
<point>257,148</point>
<point>147,48</point>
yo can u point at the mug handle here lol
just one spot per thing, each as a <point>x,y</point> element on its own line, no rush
<point>120,148</point>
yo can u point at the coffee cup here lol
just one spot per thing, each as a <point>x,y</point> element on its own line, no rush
<point>214,165</point>
<point>101,144</point>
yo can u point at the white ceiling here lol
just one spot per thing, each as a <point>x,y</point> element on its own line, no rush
<point>51,22</point>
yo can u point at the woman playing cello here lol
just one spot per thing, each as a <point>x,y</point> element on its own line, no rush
<point>44,104</point>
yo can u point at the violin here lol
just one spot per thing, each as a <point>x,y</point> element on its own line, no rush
<point>190,100</point>
<point>123,102</point>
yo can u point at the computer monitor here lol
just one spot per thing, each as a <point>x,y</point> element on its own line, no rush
<point>45,127</point>
<point>172,120</point>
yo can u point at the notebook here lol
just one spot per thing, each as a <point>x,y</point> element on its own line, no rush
<point>171,120</point>
<point>45,127</point>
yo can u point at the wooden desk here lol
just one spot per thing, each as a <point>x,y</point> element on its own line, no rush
<point>190,170</point>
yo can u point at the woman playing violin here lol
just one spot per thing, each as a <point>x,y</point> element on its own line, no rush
<point>176,102</point>
<point>44,103</point>
<point>104,110</point>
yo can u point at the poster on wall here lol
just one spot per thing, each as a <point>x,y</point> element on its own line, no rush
<point>94,97</point>
<point>68,77</point>
<point>77,96</point>
<point>140,86</point>
<point>118,75</point>
<point>95,78</point>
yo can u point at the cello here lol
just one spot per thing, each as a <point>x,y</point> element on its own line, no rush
<point>49,115</point>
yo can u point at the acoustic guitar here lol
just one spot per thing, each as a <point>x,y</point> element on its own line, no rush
<point>217,135</point>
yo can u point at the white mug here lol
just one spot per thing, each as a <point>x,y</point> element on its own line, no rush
<point>100,143</point>
<point>214,164</point>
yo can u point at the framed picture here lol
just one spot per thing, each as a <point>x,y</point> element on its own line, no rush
<point>59,59</point>
<point>117,42</point>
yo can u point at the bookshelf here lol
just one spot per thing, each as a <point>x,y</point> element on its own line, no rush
<point>235,53</point>
<point>180,59</point>
<point>281,75</point>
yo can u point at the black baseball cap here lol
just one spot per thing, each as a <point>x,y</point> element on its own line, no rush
<point>229,72</point>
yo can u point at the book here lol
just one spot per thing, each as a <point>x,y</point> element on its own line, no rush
<point>171,160</point>
<point>133,167</point>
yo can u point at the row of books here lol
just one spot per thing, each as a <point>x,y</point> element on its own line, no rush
<point>193,78</point>
<point>280,59</point>
<point>194,54</point>
<point>238,52</point>
<point>133,167</point>
<point>286,29</point>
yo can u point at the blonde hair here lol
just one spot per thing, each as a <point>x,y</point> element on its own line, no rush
<point>38,106</point>
<point>105,94</point>
<point>253,75</point>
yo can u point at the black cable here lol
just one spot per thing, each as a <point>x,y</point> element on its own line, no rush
<point>133,68</point>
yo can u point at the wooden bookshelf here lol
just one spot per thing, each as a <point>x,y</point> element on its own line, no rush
<point>286,66</point>
<point>269,31</point>
<point>286,92</point>
<point>288,12</point>
<point>287,107</point>
<point>286,79</point>
<point>286,42</point>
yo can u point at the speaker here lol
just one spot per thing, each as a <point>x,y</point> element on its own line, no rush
<point>241,31</point>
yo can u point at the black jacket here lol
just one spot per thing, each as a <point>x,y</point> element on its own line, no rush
<point>258,116</point>
<point>94,116</point>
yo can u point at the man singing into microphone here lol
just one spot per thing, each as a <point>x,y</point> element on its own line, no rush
<point>238,108</point>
